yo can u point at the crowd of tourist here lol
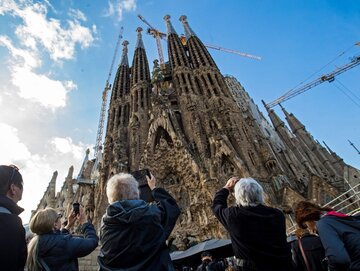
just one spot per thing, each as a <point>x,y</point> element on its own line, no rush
<point>133,232</point>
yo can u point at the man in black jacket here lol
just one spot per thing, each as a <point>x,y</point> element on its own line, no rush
<point>12,233</point>
<point>133,232</point>
<point>257,232</point>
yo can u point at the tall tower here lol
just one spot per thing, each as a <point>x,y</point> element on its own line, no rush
<point>116,153</point>
<point>140,102</point>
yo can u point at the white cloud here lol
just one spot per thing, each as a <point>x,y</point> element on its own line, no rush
<point>66,146</point>
<point>28,142</point>
<point>57,40</point>
<point>28,58</point>
<point>37,168</point>
<point>39,88</point>
<point>37,30</point>
<point>77,14</point>
<point>12,150</point>
<point>34,169</point>
<point>117,8</point>
<point>6,6</point>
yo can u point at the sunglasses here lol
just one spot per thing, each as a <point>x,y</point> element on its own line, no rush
<point>15,168</point>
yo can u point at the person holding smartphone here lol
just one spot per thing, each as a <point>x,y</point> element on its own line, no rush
<point>257,231</point>
<point>52,249</point>
<point>133,232</point>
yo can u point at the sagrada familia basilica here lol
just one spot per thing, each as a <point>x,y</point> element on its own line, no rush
<point>194,128</point>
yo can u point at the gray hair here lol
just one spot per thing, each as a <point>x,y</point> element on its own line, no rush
<point>122,186</point>
<point>248,192</point>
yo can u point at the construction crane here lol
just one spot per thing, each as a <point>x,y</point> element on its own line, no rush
<point>330,77</point>
<point>353,145</point>
<point>232,51</point>
<point>159,35</point>
<point>99,135</point>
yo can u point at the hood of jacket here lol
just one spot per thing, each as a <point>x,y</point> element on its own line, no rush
<point>126,211</point>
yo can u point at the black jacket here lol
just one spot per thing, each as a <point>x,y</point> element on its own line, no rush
<point>133,234</point>
<point>340,237</point>
<point>211,266</point>
<point>258,234</point>
<point>60,251</point>
<point>12,236</point>
<point>314,253</point>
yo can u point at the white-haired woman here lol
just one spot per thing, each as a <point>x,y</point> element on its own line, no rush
<point>50,249</point>
<point>257,232</point>
<point>133,232</point>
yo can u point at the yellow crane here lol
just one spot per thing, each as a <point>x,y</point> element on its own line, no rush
<point>157,35</point>
<point>99,135</point>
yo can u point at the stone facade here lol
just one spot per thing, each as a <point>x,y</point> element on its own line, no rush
<point>194,128</point>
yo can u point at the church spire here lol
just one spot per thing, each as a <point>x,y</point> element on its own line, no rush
<point>170,28</point>
<point>140,103</point>
<point>294,123</point>
<point>199,55</point>
<point>124,58</point>
<point>139,42</point>
<point>176,50</point>
<point>275,119</point>
<point>188,31</point>
<point>140,67</point>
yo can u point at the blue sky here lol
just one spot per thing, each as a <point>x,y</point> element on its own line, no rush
<point>56,57</point>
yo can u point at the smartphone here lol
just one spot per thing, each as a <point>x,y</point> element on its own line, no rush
<point>140,176</point>
<point>144,189</point>
<point>76,208</point>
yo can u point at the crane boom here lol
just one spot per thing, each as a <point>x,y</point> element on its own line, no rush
<point>330,77</point>
<point>99,134</point>
<point>232,51</point>
<point>145,21</point>
<point>157,35</point>
<point>353,145</point>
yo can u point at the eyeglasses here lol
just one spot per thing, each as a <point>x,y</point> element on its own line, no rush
<point>15,168</point>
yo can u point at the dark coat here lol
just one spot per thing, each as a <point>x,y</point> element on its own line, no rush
<point>340,237</point>
<point>60,251</point>
<point>314,253</point>
<point>258,234</point>
<point>211,266</point>
<point>133,234</point>
<point>13,250</point>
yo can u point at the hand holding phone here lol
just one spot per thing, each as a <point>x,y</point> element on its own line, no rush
<point>151,181</point>
<point>142,178</point>
<point>76,208</point>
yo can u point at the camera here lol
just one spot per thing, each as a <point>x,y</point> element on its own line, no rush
<point>76,208</point>
<point>144,189</point>
<point>140,176</point>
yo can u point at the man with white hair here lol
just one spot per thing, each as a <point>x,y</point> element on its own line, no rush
<point>133,232</point>
<point>257,232</point>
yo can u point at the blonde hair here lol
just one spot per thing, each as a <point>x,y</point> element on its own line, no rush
<point>122,186</point>
<point>41,223</point>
